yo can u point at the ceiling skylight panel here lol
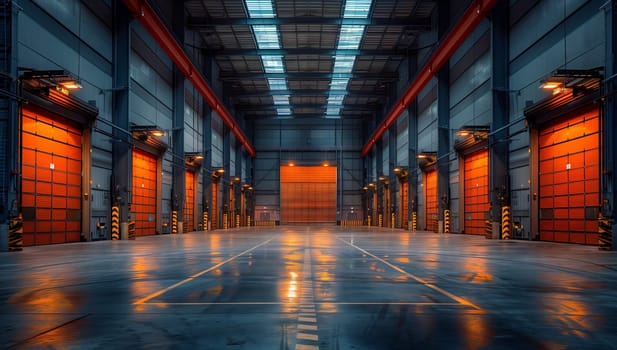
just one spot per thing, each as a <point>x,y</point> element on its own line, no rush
<point>357,8</point>
<point>277,84</point>
<point>281,99</point>
<point>343,63</point>
<point>339,83</point>
<point>333,111</point>
<point>267,37</point>
<point>260,8</point>
<point>283,110</point>
<point>350,37</point>
<point>273,64</point>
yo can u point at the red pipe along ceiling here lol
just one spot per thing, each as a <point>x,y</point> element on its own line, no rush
<point>468,22</point>
<point>144,13</point>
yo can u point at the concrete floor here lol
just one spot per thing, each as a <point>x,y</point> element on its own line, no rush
<point>318,287</point>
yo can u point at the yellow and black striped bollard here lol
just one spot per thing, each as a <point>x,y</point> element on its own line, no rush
<point>225,223</point>
<point>237,220</point>
<point>248,221</point>
<point>605,231</point>
<point>16,231</point>
<point>380,220</point>
<point>393,220</point>
<point>506,222</point>
<point>174,221</point>
<point>414,221</point>
<point>446,220</point>
<point>131,229</point>
<point>368,221</point>
<point>115,223</point>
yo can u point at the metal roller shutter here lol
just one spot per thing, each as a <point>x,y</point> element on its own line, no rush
<point>143,204</point>
<point>51,178</point>
<point>569,178</point>
<point>189,202</point>
<point>432,204</point>
<point>476,192</point>
<point>308,194</point>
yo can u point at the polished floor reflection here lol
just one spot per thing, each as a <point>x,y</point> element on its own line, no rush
<point>309,287</point>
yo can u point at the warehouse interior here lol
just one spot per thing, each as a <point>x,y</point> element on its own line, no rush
<point>324,174</point>
<point>451,116</point>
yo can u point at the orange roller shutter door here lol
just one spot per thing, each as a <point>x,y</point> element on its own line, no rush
<point>476,192</point>
<point>569,178</point>
<point>51,178</point>
<point>189,202</point>
<point>431,200</point>
<point>143,206</point>
<point>308,194</point>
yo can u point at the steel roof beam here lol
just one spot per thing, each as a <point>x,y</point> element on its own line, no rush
<point>229,76</point>
<point>346,107</point>
<point>305,51</point>
<point>297,92</point>
<point>418,24</point>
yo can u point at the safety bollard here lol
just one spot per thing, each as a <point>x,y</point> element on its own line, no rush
<point>605,231</point>
<point>506,222</point>
<point>446,221</point>
<point>16,231</point>
<point>174,221</point>
<point>115,223</point>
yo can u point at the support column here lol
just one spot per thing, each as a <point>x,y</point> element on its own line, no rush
<point>10,207</point>
<point>412,148</point>
<point>392,178</point>
<point>412,162</point>
<point>178,187</point>
<point>207,144</point>
<point>609,113</point>
<point>443,123</point>
<point>379,187</point>
<point>237,219</point>
<point>226,176</point>
<point>499,184</point>
<point>121,149</point>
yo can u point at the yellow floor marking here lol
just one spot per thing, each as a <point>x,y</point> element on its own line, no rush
<point>305,336</point>
<point>416,278</point>
<point>307,319</point>
<point>307,327</point>
<point>190,278</point>
<point>306,347</point>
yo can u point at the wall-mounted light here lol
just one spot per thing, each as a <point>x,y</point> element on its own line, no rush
<point>193,158</point>
<point>218,172</point>
<point>291,163</point>
<point>325,164</point>
<point>60,79</point>
<point>576,81</point>
<point>401,171</point>
<point>428,156</point>
<point>477,131</point>
<point>144,132</point>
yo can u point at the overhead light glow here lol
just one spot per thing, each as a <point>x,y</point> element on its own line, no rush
<point>350,37</point>
<point>268,37</point>
<point>260,8</point>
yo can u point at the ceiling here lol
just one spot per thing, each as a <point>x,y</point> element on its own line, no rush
<point>293,59</point>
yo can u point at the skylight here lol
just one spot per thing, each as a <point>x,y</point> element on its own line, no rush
<point>349,38</point>
<point>268,37</point>
<point>260,8</point>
